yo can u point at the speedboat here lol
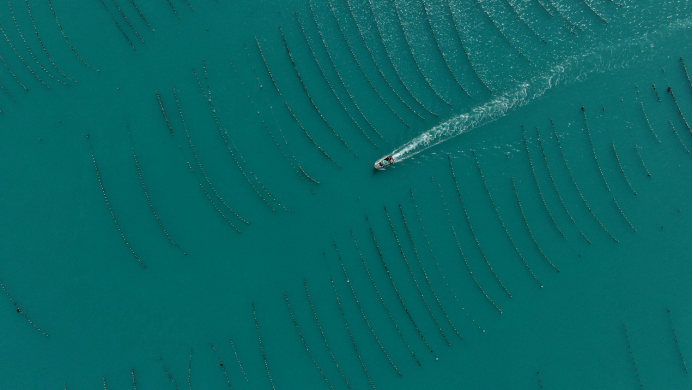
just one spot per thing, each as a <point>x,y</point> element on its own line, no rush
<point>384,162</point>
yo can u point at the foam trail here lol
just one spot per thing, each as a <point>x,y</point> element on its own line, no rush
<point>573,69</point>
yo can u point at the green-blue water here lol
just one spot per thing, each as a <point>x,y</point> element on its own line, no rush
<point>616,316</point>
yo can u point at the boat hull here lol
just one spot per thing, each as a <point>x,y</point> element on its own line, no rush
<point>384,162</point>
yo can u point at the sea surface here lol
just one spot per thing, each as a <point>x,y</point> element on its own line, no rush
<point>188,199</point>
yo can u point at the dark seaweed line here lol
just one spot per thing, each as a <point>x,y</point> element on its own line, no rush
<point>591,7</point>
<point>363,313</point>
<point>233,347</point>
<point>544,8</point>
<point>203,172</point>
<point>209,197</point>
<point>601,172</point>
<point>274,117</point>
<point>649,125</point>
<point>221,364</point>
<point>310,98</point>
<point>163,111</point>
<point>654,88</point>
<point>327,80</point>
<point>429,246</point>
<point>16,52</point>
<point>464,47</point>
<point>128,21</point>
<point>541,194</point>
<point>540,382</point>
<point>110,208</point>
<point>498,27</point>
<point>204,70</point>
<point>382,301</point>
<point>43,46</point>
<point>553,181</point>
<point>443,54</point>
<point>127,38</point>
<point>170,377</point>
<point>141,16</point>
<point>423,270</point>
<point>204,190</point>
<point>413,55</point>
<point>529,229</point>
<point>20,311</point>
<point>464,258</point>
<point>471,229</point>
<point>683,117</point>
<point>632,356</point>
<point>190,369</point>
<point>189,5</point>
<point>577,188</point>
<point>7,92</point>
<point>151,205</point>
<point>173,8</point>
<point>685,70</point>
<point>300,168</point>
<point>500,219</point>
<point>525,21</point>
<point>62,32</point>
<point>322,333</point>
<point>228,141</point>
<point>430,249</point>
<point>339,74</point>
<point>394,287</point>
<point>13,75</point>
<point>637,151</point>
<point>262,348</point>
<point>292,161</point>
<point>565,17</point>
<point>676,133</point>
<point>264,60</point>
<point>329,83</point>
<point>231,146</point>
<point>257,77</point>
<point>351,335</point>
<point>416,283</point>
<point>676,339</point>
<point>134,382</point>
<point>28,48</point>
<point>309,136</point>
<point>304,172</point>
<point>620,166</point>
<point>356,60</point>
<point>389,56</point>
<point>295,166</point>
<point>303,340</point>
<point>377,66</point>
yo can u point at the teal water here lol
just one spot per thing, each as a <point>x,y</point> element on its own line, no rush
<point>616,316</point>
